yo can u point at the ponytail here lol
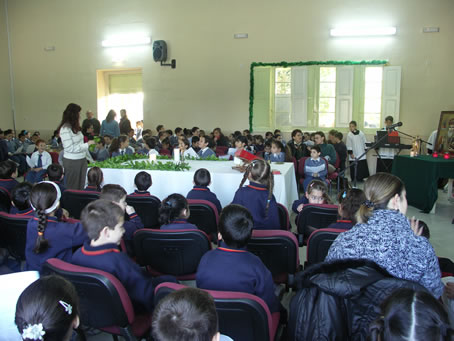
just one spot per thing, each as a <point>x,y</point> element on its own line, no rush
<point>260,172</point>
<point>41,244</point>
<point>171,208</point>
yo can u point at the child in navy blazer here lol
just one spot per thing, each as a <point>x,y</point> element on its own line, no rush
<point>174,213</point>
<point>349,204</point>
<point>103,221</point>
<point>55,174</point>
<point>277,155</point>
<point>205,145</point>
<point>20,200</point>
<point>143,182</point>
<point>316,193</point>
<point>120,146</point>
<point>94,180</point>
<point>236,269</point>
<point>258,196</point>
<point>200,191</point>
<point>8,175</point>
<point>47,237</point>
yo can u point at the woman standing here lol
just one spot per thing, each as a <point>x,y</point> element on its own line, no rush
<point>109,126</point>
<point>125,124</point>
<point>75,150</point>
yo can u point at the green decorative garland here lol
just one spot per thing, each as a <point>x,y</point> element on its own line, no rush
<point>290,64</point>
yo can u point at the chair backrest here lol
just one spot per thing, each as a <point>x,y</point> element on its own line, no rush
<point>338,161</point>
<point>147,207</point>
<point>205,216</point>
<point>319,243</point>
<point>74,201</point>
<point>242,316</point>
<point>171,252</point>
<point>54,157</point>
<point>278,250</point>
<point>221,150</point>
<point>317,216</point>
<point>301,163</point>
<point>283,217</point>
<point>5,200</point>
<point>13,231</point>
<point>104,302</point>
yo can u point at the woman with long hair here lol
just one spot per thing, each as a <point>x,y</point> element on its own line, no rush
<point>109,126</point>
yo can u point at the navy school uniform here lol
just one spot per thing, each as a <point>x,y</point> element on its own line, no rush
<point>27,212</point>
<point>296,203</point>
<point>138,193</point>
<point>204,193</point>
<point>255,197</point>
<point>91,189</point>
<point>236,270</point>
<point>62,237</point>
<point>179,224</point>
<point>127,151</point>
<point>341,224</point>
<point>203,154</point>
<point>61,185</point>
<point>8,184</point>
<point>132,225</point>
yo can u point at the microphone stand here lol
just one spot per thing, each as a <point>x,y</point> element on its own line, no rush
<point>418,139</point>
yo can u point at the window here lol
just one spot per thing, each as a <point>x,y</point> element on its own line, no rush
<point>282,96</point>
<point>373,97</point>
<point>327,97</point>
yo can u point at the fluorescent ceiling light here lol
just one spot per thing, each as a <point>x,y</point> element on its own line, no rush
<point>126,41</point>
<point>362,31</point>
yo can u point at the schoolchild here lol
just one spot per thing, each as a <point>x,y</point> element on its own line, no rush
<point>314,167</point>
<point>349,204</point>
<point>174,213</point>
<point>100,152</point>
<point>149,146</point>
<point>165,147</point>
<point>258,196</point>
<point>55,174</point>
<point>277,155</point>
<point>107,142</point>
<point>38,162</point>
<point>238,269</point>
<point>20,200</point>
<point>94,180</point>
<point>8,175</point>
<point>195,143</point>
<point>143,182</point>
<point>205,145</point>
<point>259,143</point>
<point>240,144</point>
<point>103,222</point>
<point>267,150</point>
<point>120,146</point>
<point>316,193</point>
<point>47,237</point>
<point>185,149</point>
<point>117,195</point>
<point>55,140</point>
<point>200,191</point>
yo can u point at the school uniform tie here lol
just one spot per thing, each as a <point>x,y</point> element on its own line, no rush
<point>40,161</point>
<point>122,152</point>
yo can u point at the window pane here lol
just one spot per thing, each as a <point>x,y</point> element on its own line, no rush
<point>327,105</point>
<point>282,119</point>
<point>326,120</point>
<point>283,75</point>
<point>372,121</point>
<point>372,105</point>
<point>327,74</point>
<point>374,74</point>
<point>373,90</point>
<point>327,89</point>
<point>282,104</point>
<point>283,89</point>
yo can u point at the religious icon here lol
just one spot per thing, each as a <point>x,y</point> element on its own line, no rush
<point>445,140</point>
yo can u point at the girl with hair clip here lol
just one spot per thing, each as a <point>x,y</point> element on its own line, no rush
<point>174,213</point>
<point>349,203</point>
<point>120,146</point>
<point>46,236</point>
<point>258,196</point>
<point>316,193</point>
<point>385,236</point>
<point>411,315</point>
<point>94,179</point>
<point>48,309</point>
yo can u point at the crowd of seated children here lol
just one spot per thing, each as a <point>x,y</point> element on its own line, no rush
<point>316,193</point>
<point>20,200</point>
<point>349,203</point>
<point>206,144</point>
<point>174,213</point>
<point>246,272</point>
<point>46,236</point>
<point>38,163</point>
<point>143,182</point>
<point>103,223</point>
<point>187,314</point>
<point>120,146</point>
<point>14,154</point>
<point>185,148</point>
<point>117,195</point>
<point>94,179</point>
<point>314,167</point>
<point>258,196</point>
<point>48,309</point>
<point>56,175</point>
<point>8,175</point>
<point>200,191</point>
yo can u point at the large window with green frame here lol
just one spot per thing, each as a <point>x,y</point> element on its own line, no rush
<point>314,97</point>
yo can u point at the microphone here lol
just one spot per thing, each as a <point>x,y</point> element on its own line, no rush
<point>392,126</point>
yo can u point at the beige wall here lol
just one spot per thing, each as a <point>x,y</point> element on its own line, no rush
<point>6,117</point>
<point>210,86</point>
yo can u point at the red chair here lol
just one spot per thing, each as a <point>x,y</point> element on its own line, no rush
<point>75,201</point>
<point>171,252</point>
<point>313,217</point>
<point>104,302</point>
<point>283,217</point>
<point>54,157</point>
<point>318,245</point>
<point>279,251</point>
<point>221,150</point>
<point>205,216</point>
<point>13,231</point>
<point>165,152</point>
<point>243,317</point>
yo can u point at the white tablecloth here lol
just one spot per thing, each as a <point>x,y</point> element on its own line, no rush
<point>224,180</point>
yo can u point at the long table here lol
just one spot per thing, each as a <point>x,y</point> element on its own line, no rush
<point>224,180</point>
<point>420,175</point>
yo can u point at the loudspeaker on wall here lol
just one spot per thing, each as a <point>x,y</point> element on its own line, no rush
<point>159,51</point>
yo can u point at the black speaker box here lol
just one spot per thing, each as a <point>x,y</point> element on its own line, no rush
<point>159,51</point>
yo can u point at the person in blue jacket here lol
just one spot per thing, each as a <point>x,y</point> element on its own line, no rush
<point>200,191</point>
<point>206,144</point>
<point>174,213</point>
<point>258,196</point>
<point>314,167</point>
<point>109,126</point>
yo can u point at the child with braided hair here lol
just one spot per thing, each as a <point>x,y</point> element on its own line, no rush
<point>46,236</point>
<point>258,196</point>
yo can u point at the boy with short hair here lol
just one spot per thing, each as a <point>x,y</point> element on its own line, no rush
<point>8,175</point>
<point>55,174</point>
<point>100,153</point>
<point>277,155</point>
<point>143,182</point>
<point>20,199</point>
<point>38,162</point>
<point>200,191</point>
<point>314,167</point>
<point>239,270</point>
<point>205,145</point>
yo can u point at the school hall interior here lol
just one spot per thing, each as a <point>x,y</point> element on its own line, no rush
<point>51,54</point>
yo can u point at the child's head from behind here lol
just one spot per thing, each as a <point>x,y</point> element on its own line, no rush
<point>8,169</point>
<point>202,177</point>
<point>235,226</point>
<point>55,172</point>
<point>259,171</point>
<point>20,195</point>
<point>48,307</point>
<point>143,181</point>
<point>317,192</point>
<point>103,221</point>
<point>95,177</point>
<point>186,315</point>
<point>114,193</point>
<point>411,315</point>
<point>175,206</point>
<point>350,202</point>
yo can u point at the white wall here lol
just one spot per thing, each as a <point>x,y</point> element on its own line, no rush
<point>6,117</point>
